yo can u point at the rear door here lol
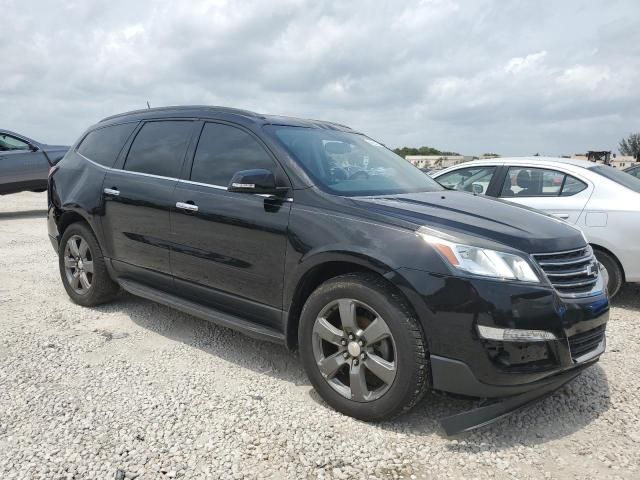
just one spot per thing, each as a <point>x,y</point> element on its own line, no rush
<point>138,197</point>
<point>553,191</point>
<point>229,247</point>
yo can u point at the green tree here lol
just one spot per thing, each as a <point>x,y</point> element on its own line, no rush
<point>630,145</point>
<point>404,151</point>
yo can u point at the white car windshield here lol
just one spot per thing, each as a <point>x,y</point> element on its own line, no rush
<point>351,164</point>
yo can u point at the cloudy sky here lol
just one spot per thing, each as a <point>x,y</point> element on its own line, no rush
<point>515,77</point>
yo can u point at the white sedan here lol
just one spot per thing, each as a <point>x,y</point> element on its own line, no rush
<point>602,201</point>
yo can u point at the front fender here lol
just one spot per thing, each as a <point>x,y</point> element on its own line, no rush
<point>383,266</point>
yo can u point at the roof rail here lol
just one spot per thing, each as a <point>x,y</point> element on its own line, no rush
<point>245,113</point>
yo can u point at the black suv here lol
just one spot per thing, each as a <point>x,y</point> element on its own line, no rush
<point>313,235</point>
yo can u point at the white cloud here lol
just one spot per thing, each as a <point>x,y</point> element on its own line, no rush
<point>588,77</point>
<point>522,64</point>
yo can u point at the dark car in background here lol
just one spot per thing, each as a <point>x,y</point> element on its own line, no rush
<point>634,170</point>
<point>25,163</point>
<point>387,284</point>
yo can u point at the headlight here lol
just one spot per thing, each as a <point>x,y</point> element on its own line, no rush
<point>480,261</point>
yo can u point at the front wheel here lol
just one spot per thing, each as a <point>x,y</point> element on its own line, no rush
<point>362,347</point>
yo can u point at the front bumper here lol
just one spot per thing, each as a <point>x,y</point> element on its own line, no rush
<point>450,309</point>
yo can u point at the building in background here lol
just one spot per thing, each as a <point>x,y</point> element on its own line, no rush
<point>616,161</point>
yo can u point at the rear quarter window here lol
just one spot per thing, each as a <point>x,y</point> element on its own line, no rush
<point>104,144</point>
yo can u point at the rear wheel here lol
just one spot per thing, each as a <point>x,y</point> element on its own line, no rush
<point>613,269</point>
<point>362,347</point>
<point>82,268</point>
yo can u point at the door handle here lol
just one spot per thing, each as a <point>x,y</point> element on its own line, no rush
<point>187,206</point>
<point>563,216</point>
<point>112,191</point>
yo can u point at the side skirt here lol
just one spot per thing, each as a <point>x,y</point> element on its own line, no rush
<point>207,313</point>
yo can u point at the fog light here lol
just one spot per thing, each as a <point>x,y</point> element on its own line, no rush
<point>514,334</point>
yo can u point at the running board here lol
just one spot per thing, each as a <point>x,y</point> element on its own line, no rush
<point>487,414</point>
<point>201,311</point>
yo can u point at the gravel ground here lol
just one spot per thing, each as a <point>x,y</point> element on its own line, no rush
<point>142,389</point>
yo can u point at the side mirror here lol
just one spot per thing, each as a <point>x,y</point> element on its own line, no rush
<point>33,148</point>
<point>254,181</point>
<point>478,189</point>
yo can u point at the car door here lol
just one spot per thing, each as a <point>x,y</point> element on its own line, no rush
<point>22,165</point>
<point>551,190</point>
<point>138,197</point>
<point>229,247</point>
<point>475,179</point>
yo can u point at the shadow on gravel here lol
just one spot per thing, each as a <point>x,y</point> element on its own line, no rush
<point>23,214</point>
<point>629,297</point>
<point>566,411</point>
<point>259,356</point>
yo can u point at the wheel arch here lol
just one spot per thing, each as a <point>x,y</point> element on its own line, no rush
<point>69,217</point>
<point>324,268</point>
<point>596,246</point>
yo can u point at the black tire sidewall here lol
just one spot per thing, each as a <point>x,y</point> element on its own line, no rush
<point>387,305</point>
<point>102,286</point>
<point>613,270</point>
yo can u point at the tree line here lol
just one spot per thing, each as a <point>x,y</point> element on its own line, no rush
<point>404,151</point>
<point>627,146</point>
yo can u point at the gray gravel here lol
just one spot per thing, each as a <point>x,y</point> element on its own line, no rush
<point>139,388</point>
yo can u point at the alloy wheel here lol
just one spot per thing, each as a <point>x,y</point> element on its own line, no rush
<point>78,264</point>
<point>354,350</point>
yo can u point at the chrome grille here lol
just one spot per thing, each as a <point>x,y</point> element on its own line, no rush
<point>573,272</point>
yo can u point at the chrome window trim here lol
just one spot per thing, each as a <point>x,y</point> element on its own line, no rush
<point>125,171</point>
<point>179,180</point>
<point>191,182</point>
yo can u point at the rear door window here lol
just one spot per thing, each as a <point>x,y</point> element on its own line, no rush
<point>540,182</point>
<point>159,148</point>
<point>224,150</point>
<point>103,145</point>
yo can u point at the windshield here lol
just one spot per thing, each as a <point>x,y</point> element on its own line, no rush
<point>618,176</point>
<point>351,164</point>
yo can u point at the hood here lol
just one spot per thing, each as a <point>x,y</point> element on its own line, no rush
<point>518,227</point>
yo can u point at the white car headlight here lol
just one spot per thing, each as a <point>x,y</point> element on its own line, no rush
<point>481,261</point>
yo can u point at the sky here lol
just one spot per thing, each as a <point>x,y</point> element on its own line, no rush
<point>477,76</point>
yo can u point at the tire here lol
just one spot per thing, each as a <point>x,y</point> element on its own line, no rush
<point>613,270</point>
<point>401,350</point>
<point>100,287</point>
